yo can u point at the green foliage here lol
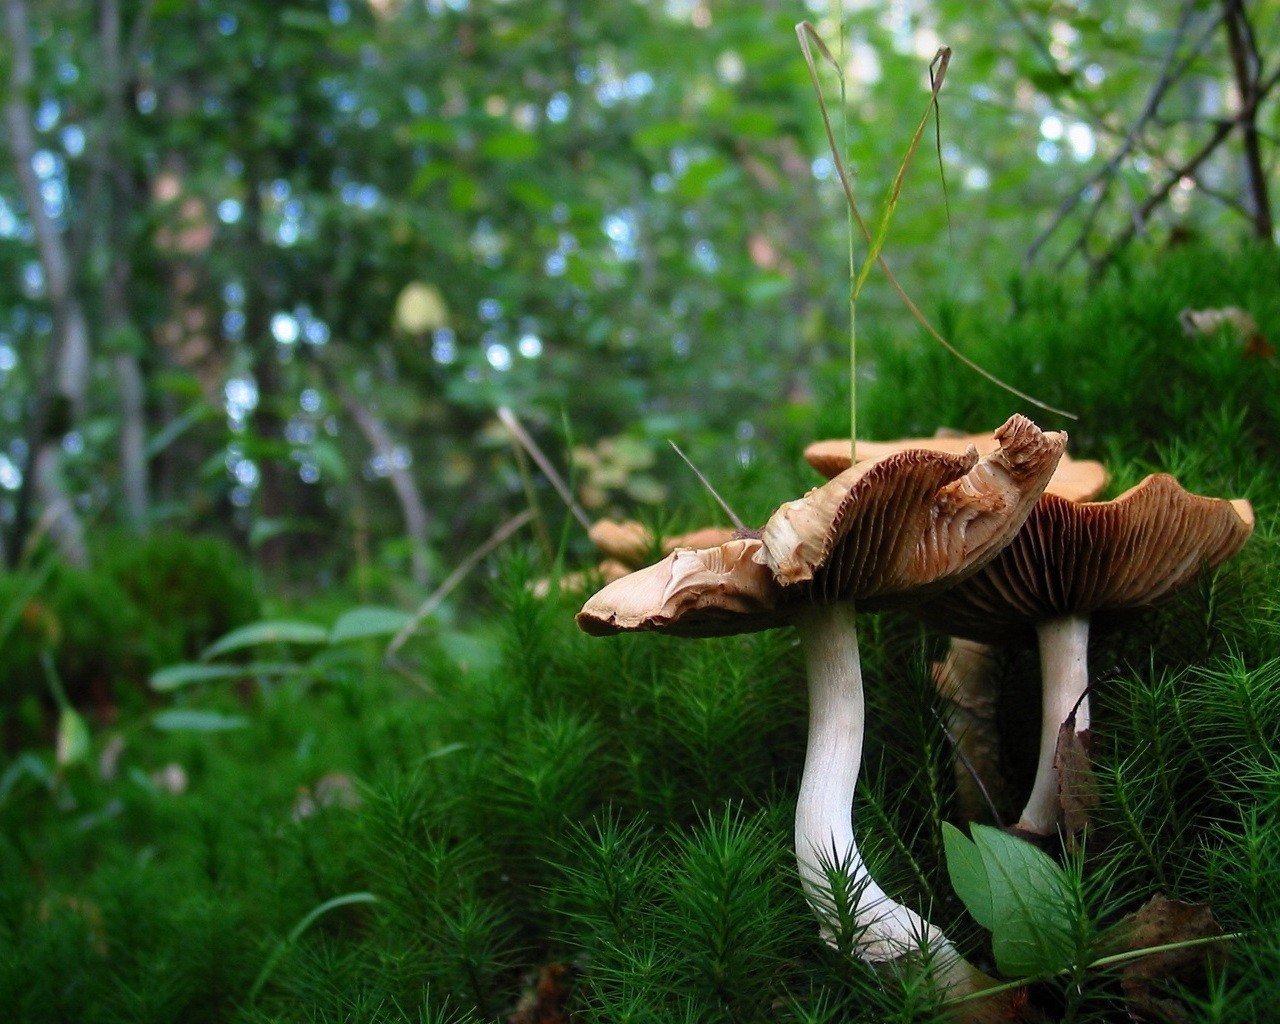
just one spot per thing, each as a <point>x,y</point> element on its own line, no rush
<point>84,619</point>
<point>653,212</point>
<point>256,634</point>
<point>1019,894</point>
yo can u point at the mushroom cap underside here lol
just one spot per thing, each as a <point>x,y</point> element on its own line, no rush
<point>905,525</point>
<point>1073,479</point>
<point>1077,558</point>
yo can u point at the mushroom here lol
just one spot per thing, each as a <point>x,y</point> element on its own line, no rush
<point>967,683</point>
<point>1070,562</point>
<point>627,545</point>
<point>632,543</point>
<point>882,533</point>
<point>965,678</point>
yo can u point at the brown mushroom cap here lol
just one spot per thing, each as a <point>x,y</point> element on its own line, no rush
<point>707,537</point>
<point>1075,480</point>
<point>632,543</point>
<point>913,522</point>
<point>628,542</point>
<point>905,525</point>
<point>1076,558</point>
<point>714,591</point>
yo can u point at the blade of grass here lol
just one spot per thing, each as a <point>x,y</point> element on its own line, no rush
<point>497,538</point>
<point>1100,964</point>
<point>853,311</point>
<point>809,38</point>
<point>943,59</point>
<point>531,496</point>
<point>289,940</point>
<point>513,424</point>
<point>12,614</point>
<point>937,147</point>
<point>733,516</point>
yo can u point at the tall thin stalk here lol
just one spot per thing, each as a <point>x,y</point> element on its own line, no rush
<point>853,295</point>
<point>809,38</point>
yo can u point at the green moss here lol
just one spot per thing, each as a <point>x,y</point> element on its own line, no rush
<point>84,619</point>
<point>623,806</point>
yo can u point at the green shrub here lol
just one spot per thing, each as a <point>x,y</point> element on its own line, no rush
<point>84,619</point>
<point>188,591</point>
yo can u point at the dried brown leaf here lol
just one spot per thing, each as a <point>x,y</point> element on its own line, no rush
<point>1077,785</point>
<point>543,1001</point>
<point>1146,981</point>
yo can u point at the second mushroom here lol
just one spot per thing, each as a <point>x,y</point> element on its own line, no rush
<point>966,677</point>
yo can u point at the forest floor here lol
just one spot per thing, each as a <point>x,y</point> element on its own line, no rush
<point>522,822</point>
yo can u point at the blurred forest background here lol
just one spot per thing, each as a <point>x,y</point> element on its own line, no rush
<point>268,269</point>
<point>277,277</point>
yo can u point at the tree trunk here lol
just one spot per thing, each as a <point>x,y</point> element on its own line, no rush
<point>63,387</point>
<point>117,322</point>
<point>134,484</point>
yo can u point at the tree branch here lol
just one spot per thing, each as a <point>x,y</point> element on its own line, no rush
<point>1188,167</point>
<point>1245,64</point>
<point>412,507</point>
<point>1169,75</point>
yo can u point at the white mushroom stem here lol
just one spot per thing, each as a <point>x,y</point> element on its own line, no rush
<point>885,929</point>
<point>1064,669</point>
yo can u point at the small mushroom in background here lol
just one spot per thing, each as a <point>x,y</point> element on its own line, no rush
<point>889,532</point>
<point>1070,562</point>
<point>1236,320</point>
<point>633,543</point>
<point>628,542</point>
<point>965,678</point>
<point>628,545</point>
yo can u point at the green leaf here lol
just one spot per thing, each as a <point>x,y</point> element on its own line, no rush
<point>759,124</point>
<point>426,176</point>
<point>767,287</point>
<point>464,192</point>
<point>1031,903</point>
<point>512,145</point>
<point>431,130</point>
<point>298,929</point>
<point>328,459</point>
<point>370,621</point>
<point>24,766</point>
<point>699,177</point>
<point>530,195</point>
<point>191,720</point>
<point>174,677</point>
<point>661,134</point>
<point>470,653</point>
<point>275,632</point>
<point>968,874</point>
<point>72,744</point>
<point>177,427</point>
